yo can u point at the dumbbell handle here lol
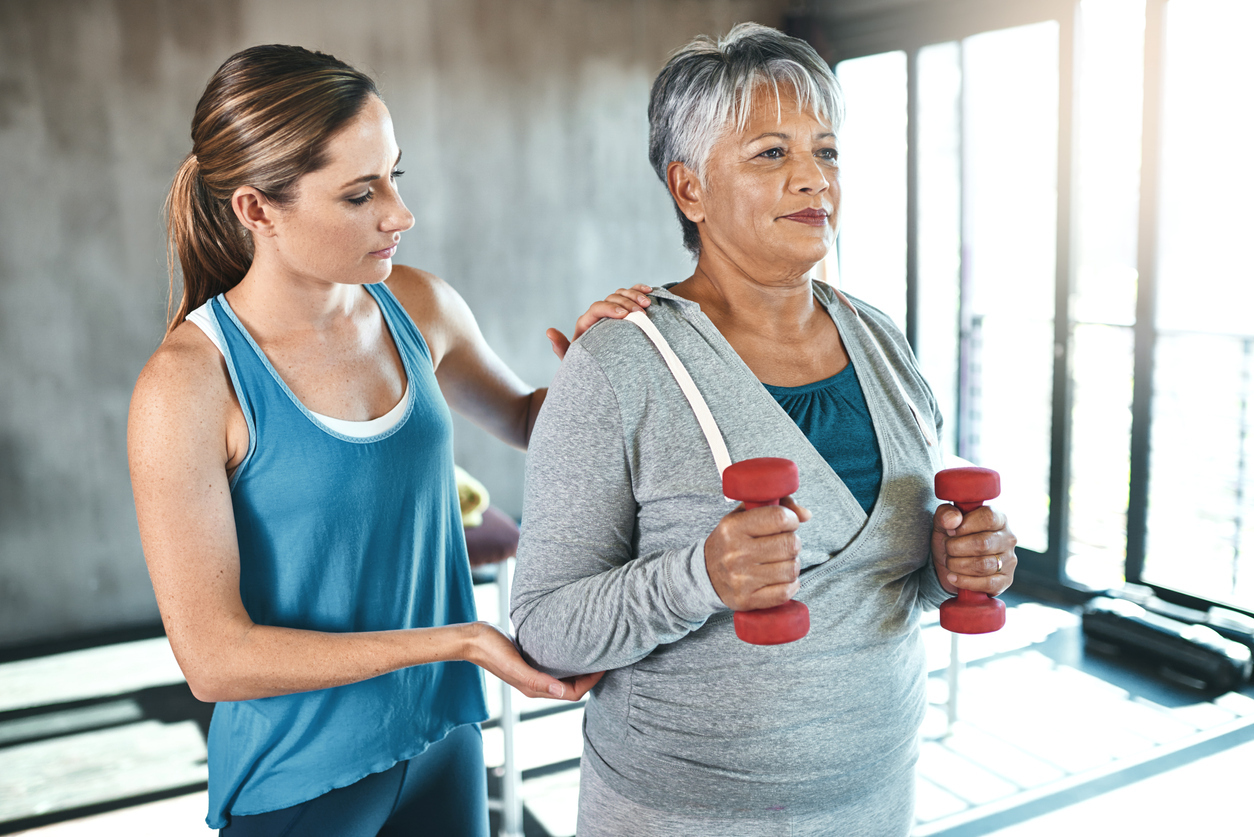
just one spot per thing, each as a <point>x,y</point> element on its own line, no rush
<point>971,612</point>
<point>764,481</point>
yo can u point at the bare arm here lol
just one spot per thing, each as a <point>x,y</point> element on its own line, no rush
<point>473,378</point>
<point>182,437</point>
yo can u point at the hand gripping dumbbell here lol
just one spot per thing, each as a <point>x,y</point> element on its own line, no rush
<point>970,612</point>
<point>763,482</point>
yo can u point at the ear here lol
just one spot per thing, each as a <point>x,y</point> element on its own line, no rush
<point>685,187</point>
<point>254,210</point>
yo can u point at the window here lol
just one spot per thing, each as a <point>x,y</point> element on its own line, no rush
<point>1049,197</point>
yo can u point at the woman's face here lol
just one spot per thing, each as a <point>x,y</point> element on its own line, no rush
<point>347,217</point>
<point>771,199</point>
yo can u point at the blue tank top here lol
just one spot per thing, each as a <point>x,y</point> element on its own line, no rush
<point>833,415</point>
<point>341,534</point>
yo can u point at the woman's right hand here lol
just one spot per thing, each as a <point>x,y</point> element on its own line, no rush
<point>491,648</point>
<point>617,305</point>
<point>753,556</point>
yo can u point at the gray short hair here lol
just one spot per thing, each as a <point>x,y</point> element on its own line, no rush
<point>706,89</point>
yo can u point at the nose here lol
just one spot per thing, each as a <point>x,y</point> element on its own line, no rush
<point>808,176</point>
<point>397,218</point>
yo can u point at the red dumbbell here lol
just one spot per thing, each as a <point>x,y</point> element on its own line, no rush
<point>763,482</point>
<point>970,612</point>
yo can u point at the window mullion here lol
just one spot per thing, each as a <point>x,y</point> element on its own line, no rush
<point>1146,298</point>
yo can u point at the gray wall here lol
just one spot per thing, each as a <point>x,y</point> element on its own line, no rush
<point>523,126</point>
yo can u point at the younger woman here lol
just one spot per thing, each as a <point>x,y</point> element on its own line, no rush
<point>291,457</point>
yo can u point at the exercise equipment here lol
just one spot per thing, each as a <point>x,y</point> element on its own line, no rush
<point>764,481</point>
<point>1229,624</point>
<point>970,612</point>
<point>1197,651</point>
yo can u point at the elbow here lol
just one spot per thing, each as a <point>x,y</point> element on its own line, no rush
<point>211,686</point>
<point>210,681</point>
<point>543,656</point>
<point>205,690</point>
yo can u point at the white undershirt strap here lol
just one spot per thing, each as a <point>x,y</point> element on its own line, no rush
<point>203,319</point>
<point>704,417</point>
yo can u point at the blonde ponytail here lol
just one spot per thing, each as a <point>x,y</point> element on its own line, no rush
<point>203,236</point>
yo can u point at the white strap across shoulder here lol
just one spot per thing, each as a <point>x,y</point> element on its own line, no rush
<point>704,417</point>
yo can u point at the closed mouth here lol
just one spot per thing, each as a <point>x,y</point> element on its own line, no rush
<point>809,217</point>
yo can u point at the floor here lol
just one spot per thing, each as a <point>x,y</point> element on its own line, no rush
<point>1047,738</point>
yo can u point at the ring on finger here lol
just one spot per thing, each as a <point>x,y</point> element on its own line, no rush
<point>999,564</point>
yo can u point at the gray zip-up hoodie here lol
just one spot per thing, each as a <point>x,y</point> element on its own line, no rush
<point>622,491</point>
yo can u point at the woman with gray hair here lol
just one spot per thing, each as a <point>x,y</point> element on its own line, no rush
<point>631,561</point>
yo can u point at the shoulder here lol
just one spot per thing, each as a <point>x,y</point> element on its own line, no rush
<point>887,331</point>
<point>183,388</point>
<point>613,340</point>
<point>422,294</point>
<point>412,286</point>
<point>436,308</point>
<point>614,360</point>
<point>875,316</point>
<point>186,362</point>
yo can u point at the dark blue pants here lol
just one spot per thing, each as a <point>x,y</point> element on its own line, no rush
<point>441,792</point>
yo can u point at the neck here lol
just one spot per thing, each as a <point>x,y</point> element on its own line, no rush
<point>778,304</point>
<point>276,301</point>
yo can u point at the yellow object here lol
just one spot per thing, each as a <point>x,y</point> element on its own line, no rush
<point>472,497</point>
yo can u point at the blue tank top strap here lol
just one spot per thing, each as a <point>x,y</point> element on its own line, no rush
<point>217,311</point>
<point>409,340</point>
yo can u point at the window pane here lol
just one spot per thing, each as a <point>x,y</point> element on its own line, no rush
<point>1010,113</point>
<point>1107,183</point>
<point>1200,510</point>
<point>940,225</point>
<point>872,245</point>
<point>1200,483</point>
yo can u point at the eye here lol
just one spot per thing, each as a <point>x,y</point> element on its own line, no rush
<point>776,153</point>
<point>827,154</point>
<point>396,173</point>
<point>362,199</point>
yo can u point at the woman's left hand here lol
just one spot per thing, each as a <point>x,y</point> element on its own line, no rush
<point>615,306</point>
<point>975,551</point>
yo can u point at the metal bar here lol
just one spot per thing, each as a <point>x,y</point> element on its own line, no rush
<point>1064,267</point>
<point>955,669</point>
<point>965,431</point>
<point>1145,334</point>
<point>511,778</point>
<point>912,199</point>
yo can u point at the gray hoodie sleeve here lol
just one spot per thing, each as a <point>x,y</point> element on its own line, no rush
<point>583,600</point>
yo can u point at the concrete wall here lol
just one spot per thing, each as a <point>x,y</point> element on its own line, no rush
<point>523,126</point>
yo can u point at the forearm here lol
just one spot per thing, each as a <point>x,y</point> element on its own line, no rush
<point>256,661</point>
<point>613,618</point>
<point>533,412</point>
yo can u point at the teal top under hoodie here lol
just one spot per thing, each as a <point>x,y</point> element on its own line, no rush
<point>622,490</point>
<point>341,534</point>
<point>833,415</point>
